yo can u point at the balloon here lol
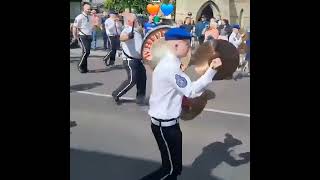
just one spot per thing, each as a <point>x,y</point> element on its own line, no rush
<point>167,9</point>
<point>153,9</point>
<point>156,19</point>
<point>151,16</point>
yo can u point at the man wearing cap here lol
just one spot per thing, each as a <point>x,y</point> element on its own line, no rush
<point>82,30</point>
<point>113,29</point>
<point>106,43</point>
<point>131,42</point>
<point>225,30</point>
<point>235,37</point>
<point>200,26</point>
<point>169,85</point>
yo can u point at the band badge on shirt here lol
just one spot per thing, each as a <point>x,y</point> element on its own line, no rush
<point>181,81</point>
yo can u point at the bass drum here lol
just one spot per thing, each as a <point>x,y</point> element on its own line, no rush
<point>154,47</point>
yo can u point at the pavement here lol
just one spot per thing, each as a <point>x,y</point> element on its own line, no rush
<point>115,142</point>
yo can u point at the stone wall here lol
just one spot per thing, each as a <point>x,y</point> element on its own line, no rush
<point>229,9</point>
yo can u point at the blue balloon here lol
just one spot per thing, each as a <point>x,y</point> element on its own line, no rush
<point>166,9</point>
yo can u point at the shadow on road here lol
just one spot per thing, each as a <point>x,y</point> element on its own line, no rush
<point>213,155</point>
<point>115,67</point>
<point>210,94</point>
<point>128,101</point>
<point>83,87</point>
<point>86,165</point>
<point>74,59</point>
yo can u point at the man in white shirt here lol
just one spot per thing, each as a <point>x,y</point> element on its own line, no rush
<point>106,43</point>
<point>131,42</point>
<point>235,37</point>
<point>113,29</point>
<point>82,30</point>
<point>169,85</point>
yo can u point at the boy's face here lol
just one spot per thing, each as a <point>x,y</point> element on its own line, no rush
<point>182,47</point>
<point>235,30</point>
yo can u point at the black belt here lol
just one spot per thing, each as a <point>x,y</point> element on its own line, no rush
<point>130,56</point>
<point>165,120</point>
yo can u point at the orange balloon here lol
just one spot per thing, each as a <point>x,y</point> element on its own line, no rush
<point>153,9</point>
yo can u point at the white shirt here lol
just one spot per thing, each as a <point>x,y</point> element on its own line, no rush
<point>234,40</point>
<point>111,27</point>
<point>170,84</point>
<point>132,47</point>
<point>84,23</point>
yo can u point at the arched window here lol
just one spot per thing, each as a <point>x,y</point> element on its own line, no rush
<point>209,8</point>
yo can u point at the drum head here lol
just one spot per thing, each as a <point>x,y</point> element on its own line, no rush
<point>154,47</point>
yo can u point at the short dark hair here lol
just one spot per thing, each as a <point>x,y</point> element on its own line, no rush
<point>226,21</point>
<point>84,3</point>
<point>185,20</point>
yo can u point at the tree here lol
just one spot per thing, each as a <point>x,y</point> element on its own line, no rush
<point>120,5</point>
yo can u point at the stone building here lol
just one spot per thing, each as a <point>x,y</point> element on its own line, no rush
<point>236,11</point>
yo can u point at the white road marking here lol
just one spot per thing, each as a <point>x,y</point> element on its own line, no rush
<point>129,98</point>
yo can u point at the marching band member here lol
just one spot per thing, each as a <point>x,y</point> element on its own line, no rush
<point>169,85</point>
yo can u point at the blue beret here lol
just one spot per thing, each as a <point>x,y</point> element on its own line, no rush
<point>177,34</point>
<point>236,26</point>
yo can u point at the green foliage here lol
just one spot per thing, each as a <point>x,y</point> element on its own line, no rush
<point>165,1</point>
<point>139,6</point>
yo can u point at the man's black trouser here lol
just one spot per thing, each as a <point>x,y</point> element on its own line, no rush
<point>85,43</point>
<point>136,75</point>
<point>115,44</point>
<point>169,140</point>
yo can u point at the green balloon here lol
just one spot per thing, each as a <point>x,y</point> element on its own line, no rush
<point>156,19</point>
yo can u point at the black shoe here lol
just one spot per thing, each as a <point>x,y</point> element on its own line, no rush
<point>110,64</point>
<point>81,70</point>
<point>116,100</point>
<point>140,101</point>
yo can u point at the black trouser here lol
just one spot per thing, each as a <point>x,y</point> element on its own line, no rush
<point>136,74</point>
<point>169,140</point>
<point>115,44</point>
<point>85,43</point>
